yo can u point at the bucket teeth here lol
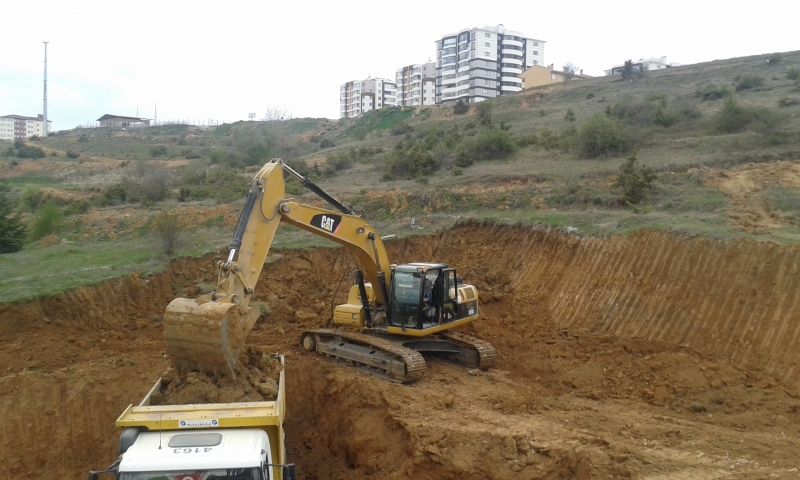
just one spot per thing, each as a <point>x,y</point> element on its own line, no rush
<point>206,337</point>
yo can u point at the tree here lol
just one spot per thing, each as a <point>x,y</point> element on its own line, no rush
<point>570,70</point>
<point>628,70</point>
<point>279,126</point>
<point>635,180</point>
<point>12,229</point>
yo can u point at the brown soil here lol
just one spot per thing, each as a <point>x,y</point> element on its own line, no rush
<point>748,210</point>
<point>256,380</point>
<point>650,356</point>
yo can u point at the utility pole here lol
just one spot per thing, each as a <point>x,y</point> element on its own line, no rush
<point>45,88</point>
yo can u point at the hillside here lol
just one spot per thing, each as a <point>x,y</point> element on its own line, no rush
<point>722,137</point>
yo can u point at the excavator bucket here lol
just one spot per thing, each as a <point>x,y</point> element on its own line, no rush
<point>206,337</point>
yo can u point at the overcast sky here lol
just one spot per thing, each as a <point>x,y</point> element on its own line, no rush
<point>223,59</point>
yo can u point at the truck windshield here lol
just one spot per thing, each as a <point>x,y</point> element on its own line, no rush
<point>227,474</point>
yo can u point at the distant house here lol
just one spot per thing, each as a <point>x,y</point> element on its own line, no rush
<point>643,63</point>
<point>16,127</point>
<point>538,75</point>
<point>119,121</point>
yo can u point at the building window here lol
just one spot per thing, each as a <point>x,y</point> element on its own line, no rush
<point>472,36</point>
<point>488,35</point>
<point>488,44</point>
<point>488,54</point>
<point>536,62</point>
<point>535,52</point>
<point>535,44</point>
<point>486,82</point>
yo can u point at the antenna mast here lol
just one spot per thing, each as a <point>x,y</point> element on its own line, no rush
<point>45,89</point>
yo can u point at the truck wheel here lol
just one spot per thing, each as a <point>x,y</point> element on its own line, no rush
<point>309,342</point>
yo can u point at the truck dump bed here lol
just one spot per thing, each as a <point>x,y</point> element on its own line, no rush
<point>267,416</point>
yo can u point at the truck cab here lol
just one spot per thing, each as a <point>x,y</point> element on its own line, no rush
<point>236,454</point>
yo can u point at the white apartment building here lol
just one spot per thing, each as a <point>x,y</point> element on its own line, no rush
<point>643,63</point>
<point>476,64</point>
<point>16,127</point>
<point>360,96</point>
<point>416,84</point>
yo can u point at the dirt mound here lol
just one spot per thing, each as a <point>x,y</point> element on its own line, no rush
<point>648,356</point>
<point>256,380</point>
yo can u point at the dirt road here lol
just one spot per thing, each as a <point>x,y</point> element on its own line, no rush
<point>653,356</point>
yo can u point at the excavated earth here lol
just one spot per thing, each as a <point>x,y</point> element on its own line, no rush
<point>652,356</point>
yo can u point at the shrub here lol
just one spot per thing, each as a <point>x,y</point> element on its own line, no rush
<point>189,154</point>
<point>114,194</point>
<point>712,92</point>
<point>793,74</point>
<point>31,198</point>
<point>599,136</point>
<point>460,108</point>
<point>168,229</point>
<point>734,118</point>
<point>72,154</point>
<point>747,82</point>
<point>457,171</point>
<point>76,207</point>
<point>12,229</point>
<point>401,128</point>
<point>409,160</point>
<point>338,161</point>
<point>775,59</point>
<point>158,150</point>
<point>570,115</point>
<point>46,221</point>
<point>326,143</point>
<point>490,144</point>
<point>635,180</point>
<point>788,102</point>
<point>217,156</point>
<point>27,151</point>
<point>484,110</point>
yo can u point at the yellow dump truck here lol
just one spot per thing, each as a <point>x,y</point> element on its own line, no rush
<point>233,441</point>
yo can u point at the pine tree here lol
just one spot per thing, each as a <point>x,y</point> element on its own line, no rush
<point>12,230</point>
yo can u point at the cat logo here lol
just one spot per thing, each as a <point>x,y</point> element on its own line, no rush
<point>329,223</point>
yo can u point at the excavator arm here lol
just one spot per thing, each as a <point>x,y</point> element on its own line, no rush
<point>207,333</point>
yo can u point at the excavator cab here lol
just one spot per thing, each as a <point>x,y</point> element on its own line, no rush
<point>424,296</point>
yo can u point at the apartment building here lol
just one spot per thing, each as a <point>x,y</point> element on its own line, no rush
<point>360,96</point>
<point>416,84</point>
<point>477,64</point>
<point>15,127</point>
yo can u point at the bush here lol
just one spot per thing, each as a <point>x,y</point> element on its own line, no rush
<point>490,144</point>
<point>158,150</point>
<point>712,92</point>
<point>46,221</point>
<point>457,171</point>
<point>221,184</point>
<point>735,118</point>
<point>635,180</point>
<point>484,110</point>
<point>775,59</point>
<point>409,160</point>
<point>12,229</point>
<point>460,108</point>
<point>788,102</point>
<point>338,161</point>
<point>569,116</point>
<point>30,152</point>
<point>76,207</point>
<point>401,128</point>
<point>114,194</point>
<point>168,229</point>
<point>793,74</point>
<point>599,136</point>
<point>31,198</point>
<point>189,154</point>
<point>747,82</point>
<point>326,143</point>
<point>72,154</point>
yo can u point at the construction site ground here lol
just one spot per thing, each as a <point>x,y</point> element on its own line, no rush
<point>650,356</point>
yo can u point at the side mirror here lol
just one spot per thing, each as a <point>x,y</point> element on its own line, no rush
<point>93,476</point>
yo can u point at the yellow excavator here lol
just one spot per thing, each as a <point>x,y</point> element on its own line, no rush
<point>398,311</point>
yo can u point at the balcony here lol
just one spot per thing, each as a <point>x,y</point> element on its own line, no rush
<point>516,71</point>
<point>512,43</point>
